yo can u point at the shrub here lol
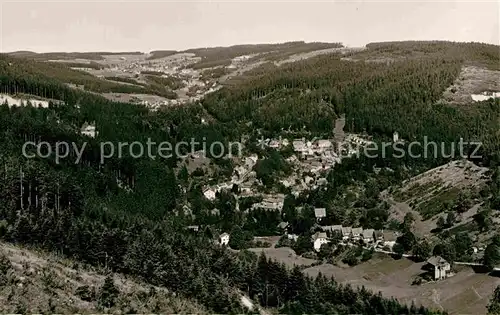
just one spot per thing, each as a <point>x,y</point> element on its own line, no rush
<point>5,267</point>
<point>85,293</point>
<point>108,293</point>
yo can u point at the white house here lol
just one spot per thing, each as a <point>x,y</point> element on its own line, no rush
<point>89,130</point>
<point>251,161</point>
<point>323,145</point>
<point>275,144</point>
<point>224,239</point>
<point>321,181</point>
<point>283,225</point>
<point>319,239</point>
<point>395,137</point>
<point>299,146</point>
<point>209,193</point>
<point>337,228</point>
<point>241,58</point>
<point>440,265</point>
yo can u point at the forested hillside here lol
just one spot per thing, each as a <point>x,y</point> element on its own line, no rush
<point>17,76</point>
<point>217,56</point>
<point>379,98</point>
<point>120,214</point>
<point>398,93</point>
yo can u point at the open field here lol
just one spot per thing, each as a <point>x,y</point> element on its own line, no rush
<point>472,80</point>
<point>466,292</point>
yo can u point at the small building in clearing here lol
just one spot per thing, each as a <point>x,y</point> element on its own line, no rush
<point>439,266</point>
<point>224,239</point>
<point>209,193</point>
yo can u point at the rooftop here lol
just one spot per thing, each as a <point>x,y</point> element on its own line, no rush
<point>437,261</point>
<point>357,230</point>
<point>320,212</point>
<point>368,233</point>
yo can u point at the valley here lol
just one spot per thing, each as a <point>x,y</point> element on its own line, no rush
<point>329,179</point>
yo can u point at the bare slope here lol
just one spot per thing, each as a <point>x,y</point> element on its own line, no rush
<point>428,194</point>
<point>34,282</point>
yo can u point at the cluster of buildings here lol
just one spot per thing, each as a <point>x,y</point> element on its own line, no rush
<point>238,61</point>
<point>311,162</point>
<point>177,65</point>
<point>352,235</point>
<point>243,176</point>
<point>270,202</point>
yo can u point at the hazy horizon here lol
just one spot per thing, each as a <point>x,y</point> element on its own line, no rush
<point>77,26</point>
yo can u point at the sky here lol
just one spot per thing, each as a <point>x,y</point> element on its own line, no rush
<point>67,25</point>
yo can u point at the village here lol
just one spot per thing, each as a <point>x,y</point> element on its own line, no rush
<point>311,161</point>
<point>194,83</point>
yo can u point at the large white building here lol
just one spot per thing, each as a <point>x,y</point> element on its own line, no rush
<point>441,267</point>
<point>319,239</point>
<point>209,194</point>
